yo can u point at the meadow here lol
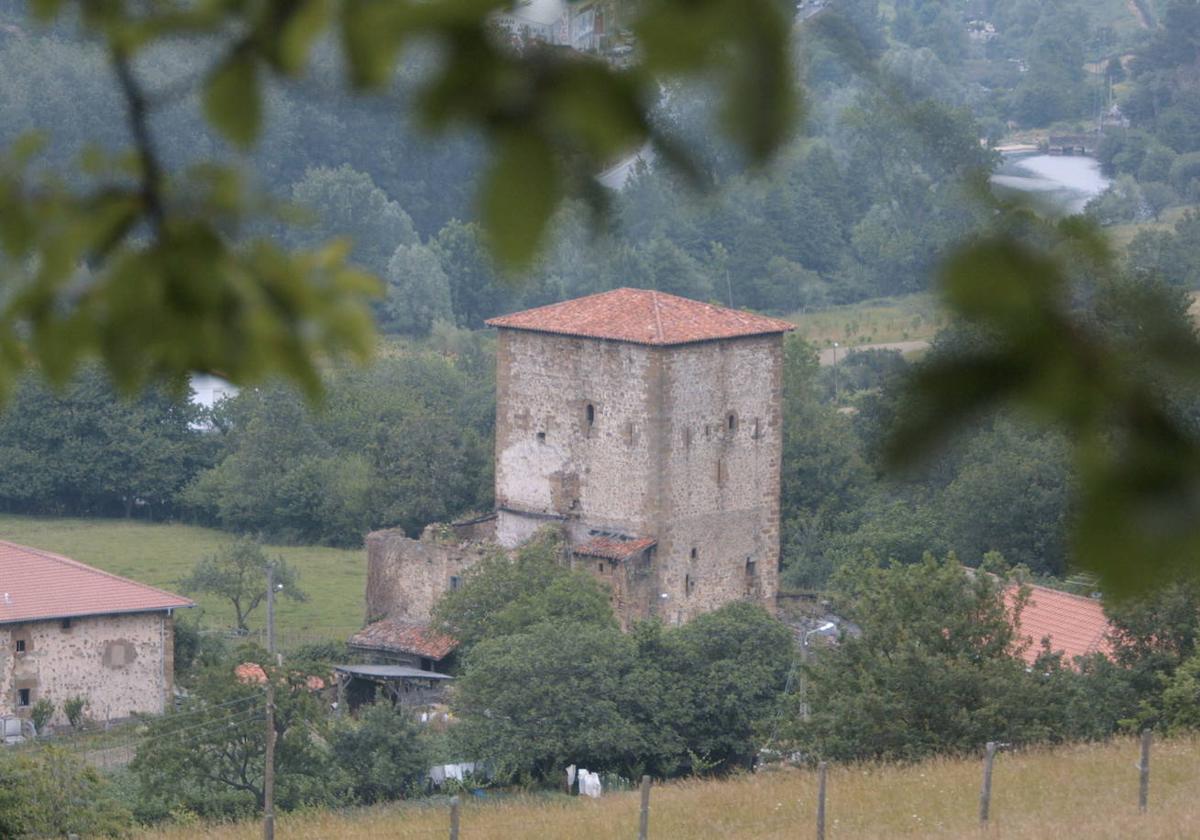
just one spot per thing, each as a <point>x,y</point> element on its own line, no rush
<point>1078,791</point>
<point>162,554</point>
<point>882,320</point>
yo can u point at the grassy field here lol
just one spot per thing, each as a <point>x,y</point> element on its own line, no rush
<point>1083,792</point>
<point>876,321</point>
<point>162,554</point>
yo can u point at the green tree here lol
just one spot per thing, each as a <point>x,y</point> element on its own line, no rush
<point>347,203</point>
<point>381,753</point>
<point>207,756</point>
<point>238,574</point>
<point>502,595</point>
<point>933,670</point>
<point>418,291</point>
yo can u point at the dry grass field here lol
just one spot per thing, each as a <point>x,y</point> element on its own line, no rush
<point>1081,793</point>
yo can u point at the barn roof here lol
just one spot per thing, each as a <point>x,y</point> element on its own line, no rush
<point>397,636</point>
<point>613,548</point>
<point>642,316</point>
<point>37,585</point>
<point>1076,626</point>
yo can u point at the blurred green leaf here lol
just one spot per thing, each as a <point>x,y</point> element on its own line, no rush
<point>232,99</point>
<point>519,194</point>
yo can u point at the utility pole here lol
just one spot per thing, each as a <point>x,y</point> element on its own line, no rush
<point>269,768</point>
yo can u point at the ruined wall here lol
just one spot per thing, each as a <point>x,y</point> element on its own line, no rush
<point>122,664</point>
<point>719,540</point>
<point>405,577</point>
<point>575,423</point>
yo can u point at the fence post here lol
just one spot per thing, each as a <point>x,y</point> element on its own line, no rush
<point>1144,772</point>
<point>821,801</point>
<point>453,818</point>
<point>644,819</point>
<point>985,793</point>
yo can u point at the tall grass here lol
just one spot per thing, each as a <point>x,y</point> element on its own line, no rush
<point>883,320</point>
<point>1075,793</point>
<point>162,554</point>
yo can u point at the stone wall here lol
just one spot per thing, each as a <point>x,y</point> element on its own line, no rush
<point>405,577</point>
<point>720,471</point>
<point>122,664</point>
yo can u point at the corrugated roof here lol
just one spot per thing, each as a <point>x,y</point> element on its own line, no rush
<point>390,672</point>
<point>399,636</point>
<point>38,585</point>
<point>642,316</point>
<point>1076,625</point>
<point>613,548</point>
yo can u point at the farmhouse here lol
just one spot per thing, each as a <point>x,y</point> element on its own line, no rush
<point>69,630</point>
<point>1071,624</point>
<point>647,427</point>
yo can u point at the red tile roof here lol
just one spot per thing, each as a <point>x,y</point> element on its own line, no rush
<point>392,634</point>
<point>37,585</point>
<point>642,316</point>
<point>611,548</point>
<point>1076,625</point>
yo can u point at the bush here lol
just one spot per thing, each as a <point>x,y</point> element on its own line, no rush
<point>41,713</point>
<point>73,708</point>
<point>381,753</point>
<point>50,793</point>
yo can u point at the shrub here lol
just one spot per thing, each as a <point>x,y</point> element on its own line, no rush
<point>41,713</point>
<point>73,708</point>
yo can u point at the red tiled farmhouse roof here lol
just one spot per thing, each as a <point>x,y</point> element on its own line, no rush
<point>1076,625</point>
<point>405,637</point>
<point>613,549</point>
<point>38,585</point>
<point>642,316</point>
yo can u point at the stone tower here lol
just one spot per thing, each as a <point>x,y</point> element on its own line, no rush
<point>648,426</point>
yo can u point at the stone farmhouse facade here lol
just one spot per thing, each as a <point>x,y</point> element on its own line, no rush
<point>648,428</point>
<point>70,630</point>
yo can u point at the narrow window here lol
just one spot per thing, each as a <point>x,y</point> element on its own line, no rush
<point>757,429</point>
<point>20,645</point>
<point>751,567</point>
<point>687,436</point>
<point>22,696</point>
<point>731,422</point>
<point>591,415</point>
<point>693,554</point>
<point>688,584</point>
<point>541,436</point>
<point>455,582</point>
<point>601,568</point>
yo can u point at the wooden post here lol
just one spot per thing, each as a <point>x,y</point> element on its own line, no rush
<point>985,793</point>
<point>1144,773</point>
<point>821,801</point>
<point>644,821</point>
<point>269,768</point>
<point>453,818</point>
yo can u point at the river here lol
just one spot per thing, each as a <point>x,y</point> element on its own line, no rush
<point>1060,185</point>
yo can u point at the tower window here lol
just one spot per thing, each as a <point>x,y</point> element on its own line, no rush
<point>66,624</point>
<point>590,412</point>
<point>757,429</point>
<point>455,582</point>
<point>22,696</point>
<point>693,554</point>
<point>541,436</point>
<point>751,567</point>
<point>731,422</point>
<point>20,645</point>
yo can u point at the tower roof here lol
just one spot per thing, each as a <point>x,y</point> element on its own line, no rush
<point>642,316</point>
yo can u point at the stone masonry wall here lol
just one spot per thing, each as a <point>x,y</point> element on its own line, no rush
<point>405,577</point>
<point>122,664</point>
<point>554,457</point>
<point>720,473</point>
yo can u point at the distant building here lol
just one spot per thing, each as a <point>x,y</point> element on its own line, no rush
<point>1074,625</point>
<point>648,427</point>
<point>578,25</point>
<point>69,630</point>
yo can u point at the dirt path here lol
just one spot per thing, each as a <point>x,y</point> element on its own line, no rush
<point>827,355</point>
